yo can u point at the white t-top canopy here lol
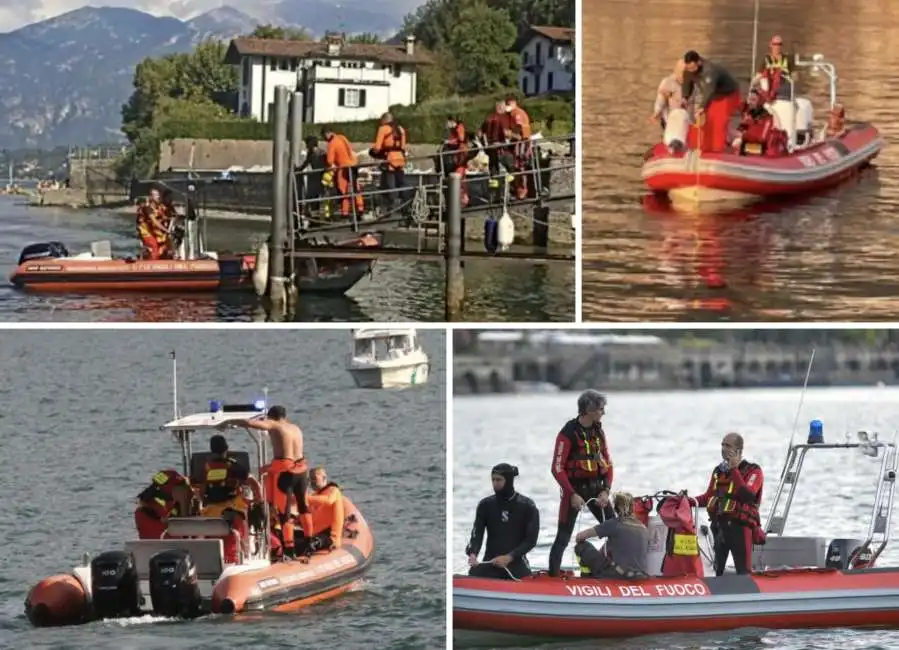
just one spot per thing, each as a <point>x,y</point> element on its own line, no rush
<point>209,420</point>
<point>363,334</point>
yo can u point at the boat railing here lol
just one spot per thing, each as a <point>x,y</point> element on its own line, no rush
<point>882,509</point>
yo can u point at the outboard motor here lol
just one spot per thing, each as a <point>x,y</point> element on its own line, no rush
<point>174,588</point>
<point>43,251</point>
<point>115,586</point>
<point>841,551</point>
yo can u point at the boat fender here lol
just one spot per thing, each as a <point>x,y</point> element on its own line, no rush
<point>260,272</point>
<point>505,231</point>
<point>115,585</point>
<point>491,242</point>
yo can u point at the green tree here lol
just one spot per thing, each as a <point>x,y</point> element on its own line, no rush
<point>480,42</point>
<point>276,33</point>
<point>365,38</point>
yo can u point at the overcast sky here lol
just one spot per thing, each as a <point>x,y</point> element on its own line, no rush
<point>17,13</point>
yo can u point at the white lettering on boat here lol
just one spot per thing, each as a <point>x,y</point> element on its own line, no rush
<point>819,158</point>
<point>831,154</point>
<point>311,573</point>
<point>639,591</point>
<point>808,161</point>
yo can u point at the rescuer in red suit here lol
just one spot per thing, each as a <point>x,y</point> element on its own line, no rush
<point>732,500</point>
<point>583,468</point>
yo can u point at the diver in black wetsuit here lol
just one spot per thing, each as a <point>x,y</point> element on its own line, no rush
<point>512,522</point>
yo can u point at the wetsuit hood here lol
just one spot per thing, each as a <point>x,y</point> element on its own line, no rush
<point>508,472</point>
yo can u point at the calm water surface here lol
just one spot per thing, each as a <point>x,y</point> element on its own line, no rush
<point>670,440</point>
<point>397,290</point>
<point>830,257</point>
<point>79,418</point>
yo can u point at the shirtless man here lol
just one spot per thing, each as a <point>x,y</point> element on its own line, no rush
<point>286,473</point>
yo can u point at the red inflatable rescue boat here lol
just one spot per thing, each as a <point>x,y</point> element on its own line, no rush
<point>748,171</point>
<point>798,581</point>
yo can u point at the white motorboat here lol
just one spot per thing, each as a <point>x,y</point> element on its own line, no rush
<point>388,358</point>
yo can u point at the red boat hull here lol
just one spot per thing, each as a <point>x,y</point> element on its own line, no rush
<point>720,176</point>
<point>580,607</point>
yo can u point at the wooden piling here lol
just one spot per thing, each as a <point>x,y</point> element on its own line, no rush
<point>276,279</point>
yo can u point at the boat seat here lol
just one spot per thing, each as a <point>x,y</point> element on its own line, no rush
<point>101,248</point>
<point>208,555</point>
<point>197,527</point>
<point>781,552</point>
<point>199,459</point>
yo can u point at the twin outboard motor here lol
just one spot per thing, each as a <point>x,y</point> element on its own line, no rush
<point>174,588</point>
<point>43,251</point>
<point>841,551</point>
<point>115,586</point>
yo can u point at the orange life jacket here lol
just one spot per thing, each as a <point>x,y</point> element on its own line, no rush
<point>585,460</point>
<point>219,482</point>
<point>159,496</point>
<point>722,505</point>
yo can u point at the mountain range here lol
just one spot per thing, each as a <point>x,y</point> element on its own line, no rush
<point>64,80</point>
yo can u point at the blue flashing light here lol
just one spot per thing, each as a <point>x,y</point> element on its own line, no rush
<point>215,406</point>
<point>259,405</point>
<point>816,432</point>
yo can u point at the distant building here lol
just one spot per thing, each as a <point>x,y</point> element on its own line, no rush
<point>547,63</point>
<point>340,81</point>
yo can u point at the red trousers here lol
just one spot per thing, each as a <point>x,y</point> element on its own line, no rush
<point>712,136</point>
<point>148,527</point>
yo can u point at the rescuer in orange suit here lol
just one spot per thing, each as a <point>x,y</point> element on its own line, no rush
<point>456,146</point>
<point>390,147</point>
<point>342,160</point>
<point>153,226</point>
<point>732,500</point>
<point>328,516</point>
<point>582,467</point>
<point>168,495</point>
<point>521,134</point>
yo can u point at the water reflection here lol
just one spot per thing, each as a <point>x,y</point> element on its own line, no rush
<point>830,257</point>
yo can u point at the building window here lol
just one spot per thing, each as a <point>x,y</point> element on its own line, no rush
<point>351,97</point>
<point>538,53</point>
<point>246,71</point>
<point>550,85</point>
<point>552,51</point>
<point>274,64</point>
<point>294,63</point>
<point>397,71</point>
<point>525,85</point>
<point>284,64</point>
<point>524,58</point>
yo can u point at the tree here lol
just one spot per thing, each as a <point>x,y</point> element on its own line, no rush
<point>275,33</point>
<point>365,38</point>
<point>480,42</point>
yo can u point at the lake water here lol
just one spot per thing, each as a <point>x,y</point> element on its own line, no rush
<point>670,440</point>
<point>79,439</point>
<point>397,290</point>
<point>830,257</point>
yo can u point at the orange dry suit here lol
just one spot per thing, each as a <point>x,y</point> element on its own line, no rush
<point>343,160</point>
<point>282,478</point>
<point>328,513</point>
<point>157,503</point>
<point>521,126</point>
<point>390,146</point>
<point>457,144</point>
<point>154,240</point>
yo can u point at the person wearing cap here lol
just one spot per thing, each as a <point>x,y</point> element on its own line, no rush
<point>512,523</point>
<point>624,555</point>
<point>221,493</point>
<point>582,466</point>
<point>732,499</point>
<point>718,100</point>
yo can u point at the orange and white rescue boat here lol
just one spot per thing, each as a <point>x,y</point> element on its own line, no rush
<point>798,582</point>
<point>185,574</point>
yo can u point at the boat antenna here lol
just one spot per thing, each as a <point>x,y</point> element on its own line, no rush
<point>808,373</point>
<point>755,40</point>
<point>174,385</point>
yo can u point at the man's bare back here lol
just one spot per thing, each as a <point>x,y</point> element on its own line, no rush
<point>286,439</point>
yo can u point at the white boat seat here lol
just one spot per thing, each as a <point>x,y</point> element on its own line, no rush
<point>199,459</point>
<point>197,527</point>
<point>208,555</point>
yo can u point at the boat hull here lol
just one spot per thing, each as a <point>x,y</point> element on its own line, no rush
<point>391,377</point>
<point>729,178</point>
<point>581,607</point>
<point>283,586</point>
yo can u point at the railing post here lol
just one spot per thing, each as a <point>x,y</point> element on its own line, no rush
<point>455,279</point>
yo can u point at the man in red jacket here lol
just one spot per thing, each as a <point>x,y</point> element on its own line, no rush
<point>732,499</point>
<point>583,468</point>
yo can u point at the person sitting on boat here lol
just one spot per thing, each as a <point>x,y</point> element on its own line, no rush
<point>732,499</point>
<point>328,517</point>
<point>582,466</point>
<point>286,474</point>
<point>669,95</point>
<point>153,227</point>
<point>757,127</point>
<point>836,121</point>
<point>717,102</point>
<point>168,495</point>
<point>222,493</point>
<point>624,555</point>
<point>512,523</point>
